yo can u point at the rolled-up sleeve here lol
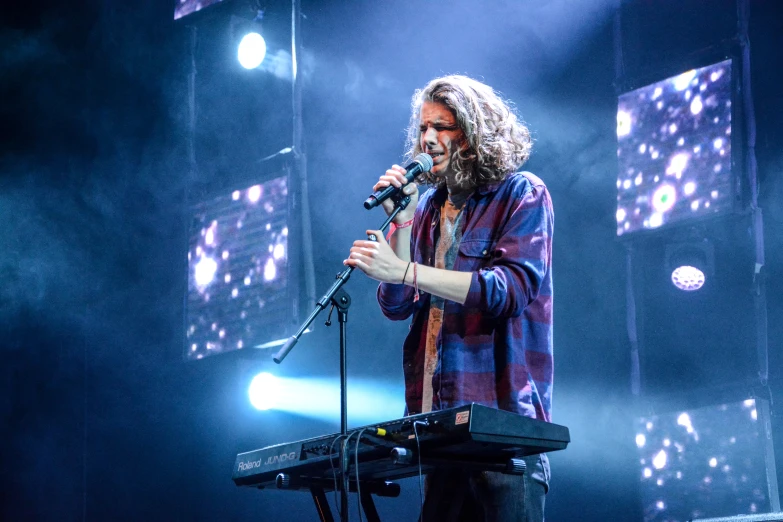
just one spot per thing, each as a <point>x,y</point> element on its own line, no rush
<point>520,259</point>
<point>396,301</point>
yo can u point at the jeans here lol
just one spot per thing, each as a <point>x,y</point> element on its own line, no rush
<point>454,495</point>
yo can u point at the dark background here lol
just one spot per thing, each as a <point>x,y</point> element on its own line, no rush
<point>101,418</point>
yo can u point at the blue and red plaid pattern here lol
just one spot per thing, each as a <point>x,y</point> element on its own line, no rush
<point>496,349</point>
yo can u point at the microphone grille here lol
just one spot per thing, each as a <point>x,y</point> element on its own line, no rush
<point>425,160</point>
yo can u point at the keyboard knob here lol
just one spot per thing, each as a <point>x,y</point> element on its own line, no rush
<point>401,456</point>
<point>283,481</point>
<point>515,467</point>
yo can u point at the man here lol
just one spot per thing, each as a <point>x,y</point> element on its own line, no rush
<point>471,262</point>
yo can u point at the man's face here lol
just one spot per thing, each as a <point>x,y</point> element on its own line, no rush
<point>440,136</point>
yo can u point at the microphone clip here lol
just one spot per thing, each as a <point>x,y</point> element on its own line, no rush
<point>401,201</point>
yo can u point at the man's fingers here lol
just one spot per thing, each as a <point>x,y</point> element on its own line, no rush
<point>378,236</point>
<point>399,173</point>
<point>383,182</point>
<point>363,243</point>
<point>394,176</point>
<point>365,251</point>
<point>357,263</point>
<point>368,243</point>
<point>390,179</point>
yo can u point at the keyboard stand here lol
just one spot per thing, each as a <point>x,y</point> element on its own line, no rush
<point>318,487</point>
<point>318,490</point>
<point>321,504</point>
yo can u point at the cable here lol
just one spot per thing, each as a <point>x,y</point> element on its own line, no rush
<point>346,484</point>
<point>334,472</point>
<point>418,455</point>
<point>345,476</point>
<point>356,465</point>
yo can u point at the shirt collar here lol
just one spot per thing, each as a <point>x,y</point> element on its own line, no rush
<point>440,195</point>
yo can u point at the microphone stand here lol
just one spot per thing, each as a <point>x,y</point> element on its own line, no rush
<point>340,299</point>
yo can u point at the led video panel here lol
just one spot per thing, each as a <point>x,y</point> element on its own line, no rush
<point>186,7</point>
<point>238,270</point>
<point>674,150</point>
<point>706,462</point>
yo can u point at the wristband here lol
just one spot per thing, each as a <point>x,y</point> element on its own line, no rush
<point>394,226</point>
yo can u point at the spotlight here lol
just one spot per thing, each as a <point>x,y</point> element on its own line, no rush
<point>264,391</point>
<point>252,50</point>
<point>690,264</point>
<point>688,278</point>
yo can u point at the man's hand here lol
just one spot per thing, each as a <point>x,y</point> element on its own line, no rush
<point>396,176</point>
<point>377,259</point>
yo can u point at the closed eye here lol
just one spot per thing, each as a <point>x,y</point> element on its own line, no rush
<point>438,128</point>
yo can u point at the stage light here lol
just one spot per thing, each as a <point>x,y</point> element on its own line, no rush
<point>369,400</point>
<point>690,264</point>
<point>688,278</point>
<point>264,391</point>
<point>252,50</point>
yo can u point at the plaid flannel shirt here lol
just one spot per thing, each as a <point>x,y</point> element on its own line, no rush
<point>496,349</point>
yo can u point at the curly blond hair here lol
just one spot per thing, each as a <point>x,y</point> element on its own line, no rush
<point>497,141</point>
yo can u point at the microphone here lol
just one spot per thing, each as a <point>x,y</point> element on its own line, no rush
<point>421,163</point>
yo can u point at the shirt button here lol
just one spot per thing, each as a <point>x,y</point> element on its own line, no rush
<point>484,252</point>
